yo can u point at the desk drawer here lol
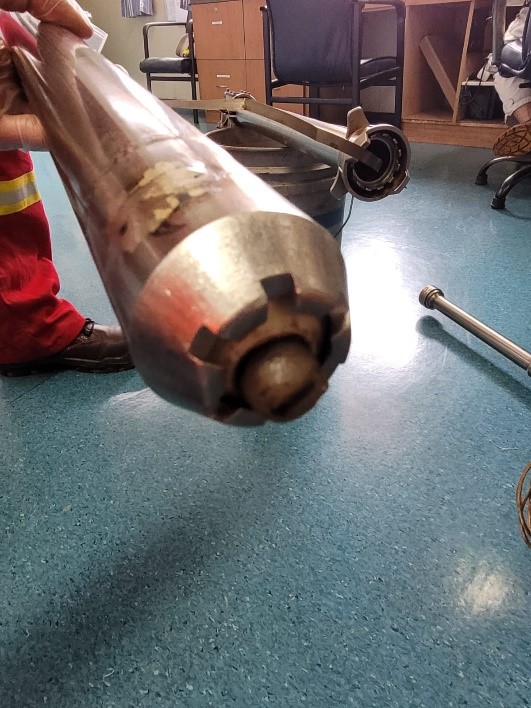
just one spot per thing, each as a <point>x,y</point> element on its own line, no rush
<point>216,76</point>
<point>254,35</point>
<point>218,30</point>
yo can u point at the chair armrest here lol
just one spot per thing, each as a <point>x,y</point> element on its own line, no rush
<point>190,32</point>
<point>398,5</point>
<point>498,29</point>
<point>149,25</point>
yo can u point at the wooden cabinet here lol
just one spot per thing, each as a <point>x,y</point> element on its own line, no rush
<point>230,50</point>
<point>217,75</point>
<point>446,42</point>
<point>218,30</point>
<point>252,23</point>
<point>220,49</point>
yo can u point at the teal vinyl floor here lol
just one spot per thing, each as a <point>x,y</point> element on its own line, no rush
<point>366,555</point>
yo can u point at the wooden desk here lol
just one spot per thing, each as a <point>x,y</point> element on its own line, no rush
<point>438,58</point>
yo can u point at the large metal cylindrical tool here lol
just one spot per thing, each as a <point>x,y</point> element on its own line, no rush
<point>433,298</point>
<point>233,301</point>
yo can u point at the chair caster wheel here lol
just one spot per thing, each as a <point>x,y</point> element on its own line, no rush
<point>498,203</point>
<point>481,179</point>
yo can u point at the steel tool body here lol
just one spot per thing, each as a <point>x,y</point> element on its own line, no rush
<point>233,301</point>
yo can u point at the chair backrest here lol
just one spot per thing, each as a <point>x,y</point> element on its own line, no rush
<point>515,57</point>
<point>526,43</point>
<point>311,40</point>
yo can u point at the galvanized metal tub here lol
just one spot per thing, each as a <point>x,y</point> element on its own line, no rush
<point>298,177</point>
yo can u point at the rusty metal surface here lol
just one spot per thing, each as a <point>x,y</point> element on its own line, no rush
<point>195,252</point>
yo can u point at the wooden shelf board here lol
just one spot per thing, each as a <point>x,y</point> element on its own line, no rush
<point>435,128</point>
<point>443,63</point>
<point>437,116</point>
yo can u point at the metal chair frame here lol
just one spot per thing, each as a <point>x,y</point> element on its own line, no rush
<point>191,77</point>
<point>389,77</point>
<point>524,161</point>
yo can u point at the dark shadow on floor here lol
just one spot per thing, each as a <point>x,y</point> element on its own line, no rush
<point>51,658</point>
<point>430,327</point>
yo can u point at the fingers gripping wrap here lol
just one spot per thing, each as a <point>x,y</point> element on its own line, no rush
<point>66,13</point>
<point>19,128</point>
<point>21,132</point>
<point>12,99</point>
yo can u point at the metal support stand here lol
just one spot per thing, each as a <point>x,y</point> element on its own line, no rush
<point>433,298</point>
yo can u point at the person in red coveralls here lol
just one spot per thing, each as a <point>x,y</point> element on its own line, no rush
<point>39,331</point>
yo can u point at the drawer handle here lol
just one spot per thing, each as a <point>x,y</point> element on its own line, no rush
<point>222,76</point>
<point>217,22</point>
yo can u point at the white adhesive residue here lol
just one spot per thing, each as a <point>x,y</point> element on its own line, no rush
<point>162,183</point>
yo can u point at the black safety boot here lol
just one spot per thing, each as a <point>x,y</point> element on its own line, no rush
<point>96,349</point>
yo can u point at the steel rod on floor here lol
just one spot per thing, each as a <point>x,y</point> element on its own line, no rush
<point>433,298</point>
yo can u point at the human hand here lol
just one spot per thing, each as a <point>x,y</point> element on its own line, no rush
<point>65,13</point>
<point>19,128</point>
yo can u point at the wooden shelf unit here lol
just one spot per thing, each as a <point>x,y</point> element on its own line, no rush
<point>446,42</point>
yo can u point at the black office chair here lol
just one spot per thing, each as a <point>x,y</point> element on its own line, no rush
<point>512,59</point>
<point>176,68</point>
<point>318,44</point>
